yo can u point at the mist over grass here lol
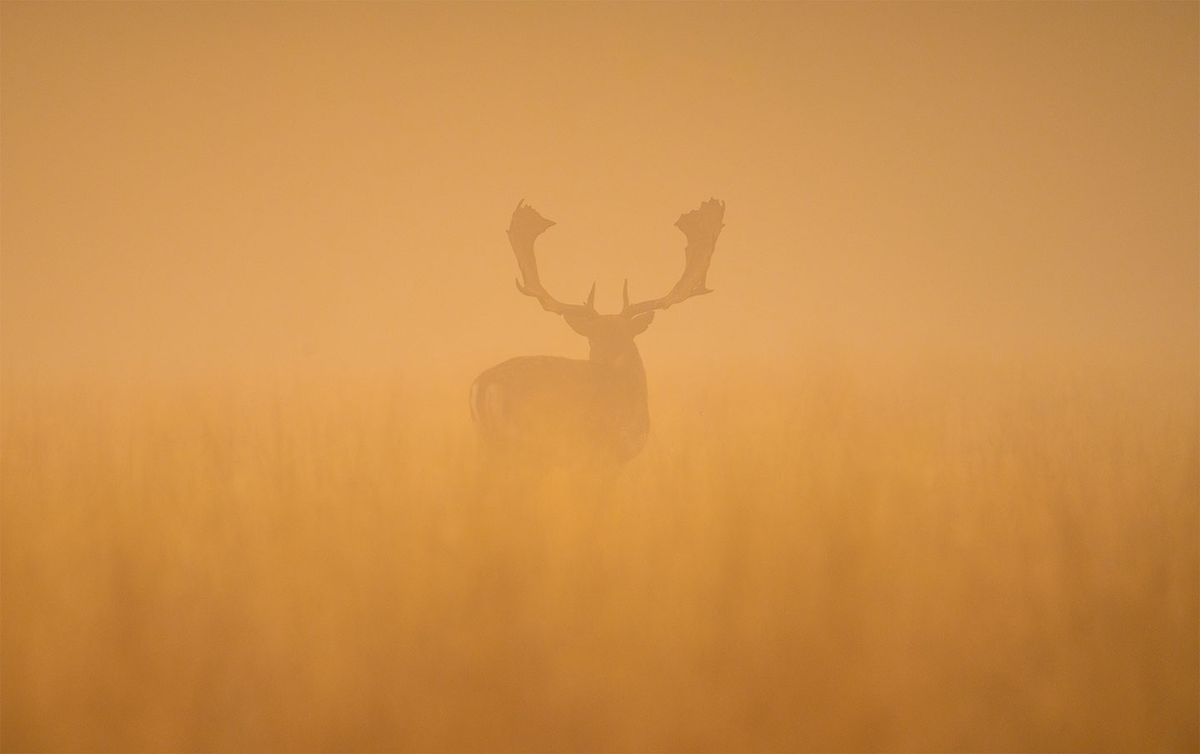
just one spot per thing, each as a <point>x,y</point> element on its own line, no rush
<point>922,473</point>
<point>842,560</point>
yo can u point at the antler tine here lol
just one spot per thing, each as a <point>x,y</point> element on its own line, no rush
<point>526,225</point>
<point>701,226</point>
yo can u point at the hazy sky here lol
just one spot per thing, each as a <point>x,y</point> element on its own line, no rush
<point>289,186</point>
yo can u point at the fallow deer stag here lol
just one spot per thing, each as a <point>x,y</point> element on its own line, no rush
<point>560,409</point>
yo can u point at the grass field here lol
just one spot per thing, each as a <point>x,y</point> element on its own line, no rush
<point>994,560</point>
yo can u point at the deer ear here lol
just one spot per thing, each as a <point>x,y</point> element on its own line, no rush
<point>579,322</point>
<point>641,322</point>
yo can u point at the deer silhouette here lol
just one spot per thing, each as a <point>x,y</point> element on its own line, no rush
<point>560,410</point>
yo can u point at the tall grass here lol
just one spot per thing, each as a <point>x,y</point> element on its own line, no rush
<point>849,561</point>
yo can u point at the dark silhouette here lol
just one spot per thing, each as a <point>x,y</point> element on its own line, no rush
<point>561,410</point>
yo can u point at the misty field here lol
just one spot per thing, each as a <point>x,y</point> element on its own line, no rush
<point>990,560</point>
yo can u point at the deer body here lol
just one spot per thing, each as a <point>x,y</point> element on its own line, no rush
<point>557,409</point>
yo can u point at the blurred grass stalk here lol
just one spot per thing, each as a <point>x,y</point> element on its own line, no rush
<point>931,561</point>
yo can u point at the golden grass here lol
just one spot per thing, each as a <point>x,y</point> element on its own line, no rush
<point>849,562</point>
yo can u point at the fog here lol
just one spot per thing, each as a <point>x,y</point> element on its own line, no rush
<point>208,188</point>
<point>252,257</point>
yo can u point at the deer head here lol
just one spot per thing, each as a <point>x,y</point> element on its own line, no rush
<point>610,335</point>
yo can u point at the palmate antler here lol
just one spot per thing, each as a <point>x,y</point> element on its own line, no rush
<point>701,226</point>
<point>523,230</point>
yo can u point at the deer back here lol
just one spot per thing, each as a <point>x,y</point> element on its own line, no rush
<point>558,409</point>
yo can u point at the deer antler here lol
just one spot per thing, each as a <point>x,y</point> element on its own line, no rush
<point>701,226</point>
<point>523,230</point>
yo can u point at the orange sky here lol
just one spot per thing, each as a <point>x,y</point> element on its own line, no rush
<point>285,186</point>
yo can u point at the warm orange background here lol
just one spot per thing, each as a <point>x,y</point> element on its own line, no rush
<point>221,187</point>
<point>923,473</point>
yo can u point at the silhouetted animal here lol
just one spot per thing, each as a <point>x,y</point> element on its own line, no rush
<point>559,409</point>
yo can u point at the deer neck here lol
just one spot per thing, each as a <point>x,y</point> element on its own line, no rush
<point>623,368</point>
<point>622,380</point>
